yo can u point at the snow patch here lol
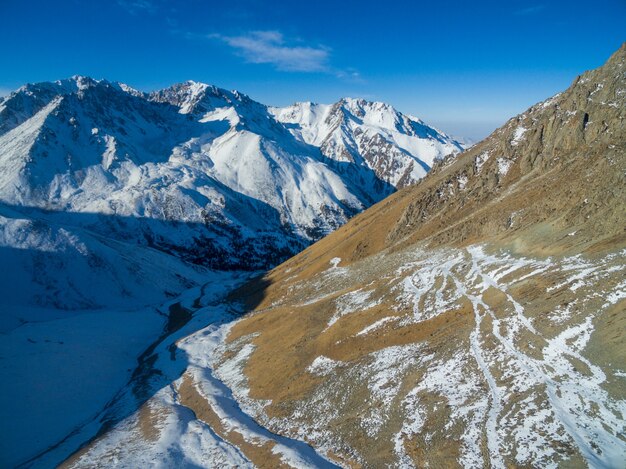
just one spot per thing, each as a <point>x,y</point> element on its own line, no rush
<point>518,135</point>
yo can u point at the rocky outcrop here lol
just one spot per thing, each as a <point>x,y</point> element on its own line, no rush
<point>560,162</point>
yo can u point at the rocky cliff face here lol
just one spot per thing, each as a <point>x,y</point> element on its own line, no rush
<point>556,164</point>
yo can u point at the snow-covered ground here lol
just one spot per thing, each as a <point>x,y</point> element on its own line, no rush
<point>77,310</point>
<point>58,374</point>
<point>66,376</point>
<point>181,438</point>
<point>565,402</point>
<point>520,388</point>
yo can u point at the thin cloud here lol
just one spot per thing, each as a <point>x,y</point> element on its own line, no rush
<point>349,74</point>
<point>531,10</point>
<point>270,47</point>
<point>139,6</point>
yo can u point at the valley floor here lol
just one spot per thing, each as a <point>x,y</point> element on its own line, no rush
<point>63,371</point>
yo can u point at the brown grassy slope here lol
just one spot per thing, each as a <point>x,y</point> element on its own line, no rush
<point>557,189</point>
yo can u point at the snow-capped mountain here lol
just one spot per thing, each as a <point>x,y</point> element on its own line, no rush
<point>209,174</point>
<point>400,149</point>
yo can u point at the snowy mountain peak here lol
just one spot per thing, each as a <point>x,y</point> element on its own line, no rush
<point>83,82</point>
<point>185,95</point>
<point>80,83</point>
<point>198,98</point>
<point>374,112</point>
<point>370,133</point>
<point>363,105</point>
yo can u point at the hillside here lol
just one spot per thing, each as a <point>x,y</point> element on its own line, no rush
<point>474,318</point>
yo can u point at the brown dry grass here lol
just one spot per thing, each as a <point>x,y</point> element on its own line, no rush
<point>568,177</point>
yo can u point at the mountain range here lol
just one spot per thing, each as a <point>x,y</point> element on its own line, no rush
<point>456,309</point>
<point>473,319</point>
<point>206,175</point>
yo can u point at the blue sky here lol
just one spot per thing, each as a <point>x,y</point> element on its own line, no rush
<point>463,66</point>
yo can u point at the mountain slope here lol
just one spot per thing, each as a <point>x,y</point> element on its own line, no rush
<point>472,319</point>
